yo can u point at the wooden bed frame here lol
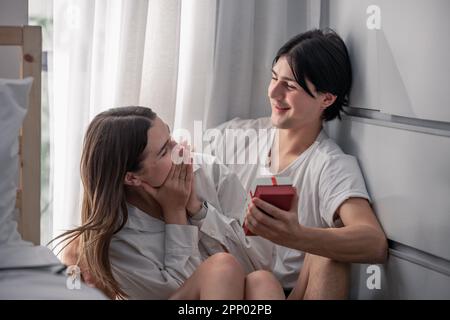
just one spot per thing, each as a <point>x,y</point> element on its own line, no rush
<point>29,39</point>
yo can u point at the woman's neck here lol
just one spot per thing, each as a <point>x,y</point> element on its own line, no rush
<point>145,203</point>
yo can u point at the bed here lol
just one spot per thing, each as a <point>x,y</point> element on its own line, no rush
<point>29,39</point>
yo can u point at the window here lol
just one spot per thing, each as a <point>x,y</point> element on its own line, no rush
<point>40,13</point>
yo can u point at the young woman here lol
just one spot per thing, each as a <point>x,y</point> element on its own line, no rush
<point>155,229</point>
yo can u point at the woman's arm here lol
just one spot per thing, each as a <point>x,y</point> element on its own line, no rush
<point>226,199</point>
<point>143,273</point>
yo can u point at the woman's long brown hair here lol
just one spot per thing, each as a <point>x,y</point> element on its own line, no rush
<point>113,145</point>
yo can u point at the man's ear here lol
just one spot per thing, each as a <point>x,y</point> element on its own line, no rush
<point>328,99</point>
<point>132,179</point>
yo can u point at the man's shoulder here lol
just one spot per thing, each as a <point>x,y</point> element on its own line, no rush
<point>329,153</point>
<point>327,147</point>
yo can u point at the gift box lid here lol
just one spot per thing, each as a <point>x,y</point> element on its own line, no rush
<point>270,181</point>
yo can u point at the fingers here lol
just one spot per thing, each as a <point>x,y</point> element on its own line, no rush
<point>171,173</point>
<point>189,173</point>
<point>258,224</point>
<point>270,209</point>
<point>183,171</point>
<point>257,217</point>
<point>184,143</point>
<point>177,172</point>
<point>181,168</point>
<point>187,155</point>
<point>177,154</point>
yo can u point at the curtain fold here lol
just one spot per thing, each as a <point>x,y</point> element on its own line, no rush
<point>196,58</point>
<point>233,66</point>
<point>161,52</point>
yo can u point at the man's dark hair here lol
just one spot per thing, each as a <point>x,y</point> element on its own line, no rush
<point>322,58</point>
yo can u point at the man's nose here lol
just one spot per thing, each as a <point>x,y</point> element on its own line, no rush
<point>276,91</point>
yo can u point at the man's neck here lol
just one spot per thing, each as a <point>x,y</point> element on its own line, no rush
<point>291,143</point>
<point>295,141</point>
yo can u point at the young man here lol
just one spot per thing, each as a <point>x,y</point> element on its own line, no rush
<point>332,223</point>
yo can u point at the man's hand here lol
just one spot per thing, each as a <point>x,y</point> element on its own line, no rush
<point>274,224</point>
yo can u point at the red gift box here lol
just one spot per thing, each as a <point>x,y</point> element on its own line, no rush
<point>277,191</point>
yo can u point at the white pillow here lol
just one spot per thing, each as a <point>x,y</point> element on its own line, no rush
<point>13,108</point>
<point>25,270</point>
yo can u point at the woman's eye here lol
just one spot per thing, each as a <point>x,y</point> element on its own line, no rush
<point>164,152</point>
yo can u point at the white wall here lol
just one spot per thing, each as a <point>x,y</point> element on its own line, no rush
<point>12,12</point>
<point>399,130</point>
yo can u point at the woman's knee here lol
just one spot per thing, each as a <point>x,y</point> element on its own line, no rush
<point>260,276</point>
<point>226,264</point>
<point>263,284</point>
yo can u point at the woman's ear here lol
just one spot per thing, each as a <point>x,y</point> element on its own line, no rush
<point>132,179</point>
<point>328,99</point>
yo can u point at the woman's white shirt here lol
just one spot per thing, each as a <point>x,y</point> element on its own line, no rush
<point>151,259</point>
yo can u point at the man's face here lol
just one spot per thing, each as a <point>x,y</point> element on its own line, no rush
<point>292,107</point>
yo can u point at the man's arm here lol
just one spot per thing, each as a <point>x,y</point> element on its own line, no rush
<point>360,240</point>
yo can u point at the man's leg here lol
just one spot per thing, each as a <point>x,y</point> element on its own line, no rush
<point>220,277</point>
<point>262,285</point>
<point>322,278</point>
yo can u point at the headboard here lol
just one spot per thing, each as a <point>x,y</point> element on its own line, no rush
<point>29,39</point>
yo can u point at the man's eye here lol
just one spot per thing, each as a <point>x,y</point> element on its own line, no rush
<point>291,87</point>
<point>164,152</point>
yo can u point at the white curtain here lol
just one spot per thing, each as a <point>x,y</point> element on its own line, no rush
<point>225,59</point>
<point>107,53</point>
<point>188,60</point>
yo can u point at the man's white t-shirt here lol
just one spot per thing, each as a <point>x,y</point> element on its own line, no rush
<point>323,174</point>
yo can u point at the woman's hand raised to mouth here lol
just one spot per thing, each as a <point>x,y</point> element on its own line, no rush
<point>174,193</point>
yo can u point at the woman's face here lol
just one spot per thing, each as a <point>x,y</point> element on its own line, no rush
<point>157,160</point>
